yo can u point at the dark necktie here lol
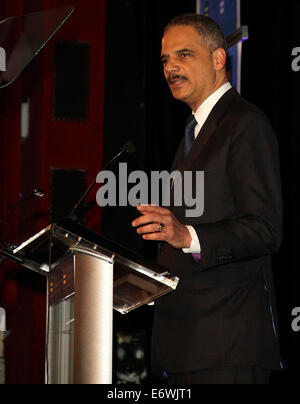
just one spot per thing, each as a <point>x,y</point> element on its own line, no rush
<point>189,134</point>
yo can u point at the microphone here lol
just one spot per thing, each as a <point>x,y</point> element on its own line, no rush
<point>6,251</point>
<point>128,148</point>
<point>35,192</point>
<point>81,208</point>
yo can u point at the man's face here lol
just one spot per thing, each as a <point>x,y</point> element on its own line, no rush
<point>192,70</point>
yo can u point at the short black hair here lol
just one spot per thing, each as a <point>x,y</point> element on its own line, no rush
<point>210,32</point>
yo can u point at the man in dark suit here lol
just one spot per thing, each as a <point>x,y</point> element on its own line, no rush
<point>219,326</point>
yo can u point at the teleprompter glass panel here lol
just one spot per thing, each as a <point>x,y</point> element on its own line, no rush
<point>23,37</point>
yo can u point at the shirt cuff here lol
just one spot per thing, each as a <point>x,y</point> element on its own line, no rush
<point>195,247</point>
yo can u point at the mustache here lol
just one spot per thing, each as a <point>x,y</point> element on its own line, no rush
<point>174,77</point>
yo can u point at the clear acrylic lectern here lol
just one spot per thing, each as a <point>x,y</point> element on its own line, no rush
<point>88,276</point>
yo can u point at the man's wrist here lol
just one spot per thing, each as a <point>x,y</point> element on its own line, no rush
<point>195,247</point>
<point>188,239</point>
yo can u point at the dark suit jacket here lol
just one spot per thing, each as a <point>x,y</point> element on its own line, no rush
<point>223,312</point>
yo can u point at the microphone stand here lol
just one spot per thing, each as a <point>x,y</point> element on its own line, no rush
<point>76,213</point>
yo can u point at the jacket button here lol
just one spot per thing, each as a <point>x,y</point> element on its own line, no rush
<point>224,257</point>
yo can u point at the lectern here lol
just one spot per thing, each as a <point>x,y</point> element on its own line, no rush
<point>88,276</point>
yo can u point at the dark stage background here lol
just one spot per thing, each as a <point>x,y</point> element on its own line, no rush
<point>127,99</point>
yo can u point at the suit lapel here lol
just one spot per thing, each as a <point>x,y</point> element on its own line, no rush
<point>205,137</point>
<point>207,132</point>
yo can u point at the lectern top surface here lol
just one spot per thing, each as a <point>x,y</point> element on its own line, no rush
<point>137,280</point>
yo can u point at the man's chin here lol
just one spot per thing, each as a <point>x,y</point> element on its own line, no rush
<point>179,95</point>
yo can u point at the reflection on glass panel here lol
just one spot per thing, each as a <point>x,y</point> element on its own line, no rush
<point>60,353</point>
<point>23,37</point>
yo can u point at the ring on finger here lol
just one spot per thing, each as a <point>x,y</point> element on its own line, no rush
<point>161,227</point>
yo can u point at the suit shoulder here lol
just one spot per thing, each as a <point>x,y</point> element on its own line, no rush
<point>247,121</point>
<point>243,109</point>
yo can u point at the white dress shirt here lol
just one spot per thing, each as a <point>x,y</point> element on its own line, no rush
<point>201,115</point>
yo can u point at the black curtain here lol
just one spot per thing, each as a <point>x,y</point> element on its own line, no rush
<point>269,81</point>
<point>138,106</point>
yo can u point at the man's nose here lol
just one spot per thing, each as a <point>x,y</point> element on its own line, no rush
<point>171,66</point>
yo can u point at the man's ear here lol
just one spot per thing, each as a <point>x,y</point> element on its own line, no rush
<point>219,58</point>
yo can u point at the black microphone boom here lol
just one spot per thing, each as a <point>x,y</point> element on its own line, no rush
<point>127,148</point>
<point>7,252</point>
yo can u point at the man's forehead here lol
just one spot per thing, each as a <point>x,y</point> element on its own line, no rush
<point>180,37</point>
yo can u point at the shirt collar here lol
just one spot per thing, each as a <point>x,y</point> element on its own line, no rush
<point>207,105</point>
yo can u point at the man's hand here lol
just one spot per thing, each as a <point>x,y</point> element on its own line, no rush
<point>160,224</point>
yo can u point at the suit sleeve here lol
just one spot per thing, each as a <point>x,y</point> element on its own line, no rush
<point>255,229</point>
